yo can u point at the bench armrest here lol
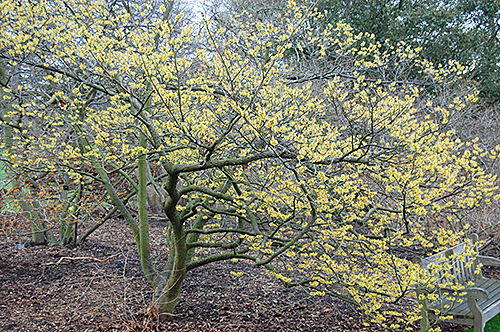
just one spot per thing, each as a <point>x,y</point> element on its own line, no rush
<point>474,294</point>
<point>477,293</point>
<point>490,261</point>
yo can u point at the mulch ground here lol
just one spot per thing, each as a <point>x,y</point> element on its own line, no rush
<point>87,295</point>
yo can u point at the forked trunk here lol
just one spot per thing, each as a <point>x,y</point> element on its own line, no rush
<point>167,294</point>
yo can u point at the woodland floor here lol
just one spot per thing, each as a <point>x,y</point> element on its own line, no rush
<point>107,296</point>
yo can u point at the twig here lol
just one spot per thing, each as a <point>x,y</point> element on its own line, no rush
<point>71,259</point>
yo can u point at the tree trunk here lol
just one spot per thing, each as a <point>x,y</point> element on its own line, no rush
<point>168,295</point>
<point>142,205</point>
<point>37,229</point>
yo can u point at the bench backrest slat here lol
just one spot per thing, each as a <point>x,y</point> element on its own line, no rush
<point>458,261</point>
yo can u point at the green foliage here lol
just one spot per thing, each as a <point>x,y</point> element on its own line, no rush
<point>455,30</point>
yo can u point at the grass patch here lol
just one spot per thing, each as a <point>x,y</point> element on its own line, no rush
<point>5,203</point>
<point>3,173</point>
<point>492,326</point>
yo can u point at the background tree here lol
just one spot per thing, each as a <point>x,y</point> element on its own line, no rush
<point>463,31</point>
<point>325,180</point>
<point>458,30</point>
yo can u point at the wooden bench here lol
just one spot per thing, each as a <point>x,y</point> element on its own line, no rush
<point>475,304</point>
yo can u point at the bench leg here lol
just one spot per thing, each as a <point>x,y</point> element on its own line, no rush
<point>477,312</point>
<point>424,322</point>
<point>478,324</point>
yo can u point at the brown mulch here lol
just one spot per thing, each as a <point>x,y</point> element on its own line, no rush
<point>111,295</point>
